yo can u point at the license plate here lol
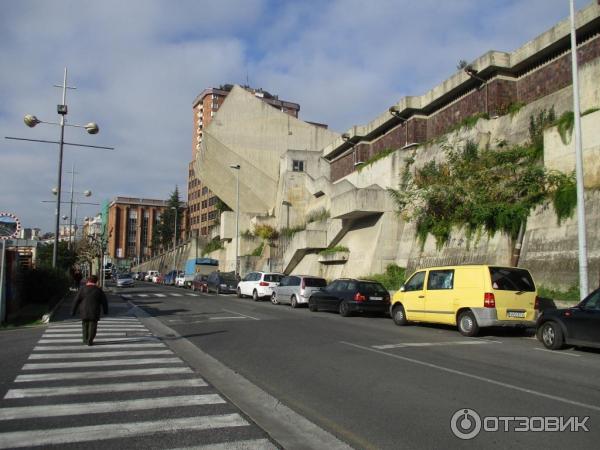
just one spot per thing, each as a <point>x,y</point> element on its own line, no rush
<point>376,298</point>
<point>517,314</point>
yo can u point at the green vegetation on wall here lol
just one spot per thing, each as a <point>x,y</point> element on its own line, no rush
<point>317,215</point>
<point>332,250</point>
<point>485,189</point>
<point>376,157</point>
<point>392,279</point>
<point>258,250</point>
<point>213,245</point>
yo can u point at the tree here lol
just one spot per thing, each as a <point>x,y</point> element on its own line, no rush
<point>65,258</point>
<point>163,235</point>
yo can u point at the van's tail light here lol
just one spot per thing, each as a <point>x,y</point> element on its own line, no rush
<point>263,283</point>
<point>303,284</point>
<point>489,300</point>
<point>359,297</point>
<point>536,305</point>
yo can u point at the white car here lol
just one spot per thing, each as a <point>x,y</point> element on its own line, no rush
<point>180,280</point>
<point>150,275</point>
<point>258,284</point>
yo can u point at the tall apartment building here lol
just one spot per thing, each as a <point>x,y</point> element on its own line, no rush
<point>131,224</point>
<point>202,203</point>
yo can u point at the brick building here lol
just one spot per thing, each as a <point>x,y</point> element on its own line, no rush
<point>131,224</point>
<point>202,203</point>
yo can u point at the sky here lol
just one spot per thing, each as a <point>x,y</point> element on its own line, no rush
<point>137,66</point>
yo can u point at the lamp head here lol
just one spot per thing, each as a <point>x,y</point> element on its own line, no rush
<point>54,191</point>
<point>346,136</point>
<point>92,128</point>
<point>30,120</point>
<point>87,193</point>
<point>235,166</point>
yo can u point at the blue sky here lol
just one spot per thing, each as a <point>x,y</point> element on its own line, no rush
<point>138,65</point>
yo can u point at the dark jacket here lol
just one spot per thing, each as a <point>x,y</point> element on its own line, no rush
<point>91,299</point>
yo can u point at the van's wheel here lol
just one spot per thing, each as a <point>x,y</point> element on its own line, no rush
<point>344,310</point>
<point>399,315</point>
<point>294,302</point>
<point>274,299</point>
<point>467,324</point>
<point>551,336</point>
<point>239,293</point>
<point>255,296</point>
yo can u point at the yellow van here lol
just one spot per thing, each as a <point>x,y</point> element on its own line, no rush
<point>470,297</point>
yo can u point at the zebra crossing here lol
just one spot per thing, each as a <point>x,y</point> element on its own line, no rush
<point>160,295</point>
<point>127,390</point>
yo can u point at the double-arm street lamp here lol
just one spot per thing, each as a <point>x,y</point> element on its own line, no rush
<point>176,209</point>
<point>92,128</point>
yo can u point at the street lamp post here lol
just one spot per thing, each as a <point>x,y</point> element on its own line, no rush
<point>175,243</point>
<point>92,128</point>
<point>237,167</point>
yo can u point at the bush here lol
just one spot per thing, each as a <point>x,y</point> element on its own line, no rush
<point>572,294</point>
<point>317,215</point>
<point>331,250</point>
<point>42,286</point>
<point>213,245</point>
<point>258,250</point>
<point>266,232</point>
<point>290,232</point>
<point>392,279</point>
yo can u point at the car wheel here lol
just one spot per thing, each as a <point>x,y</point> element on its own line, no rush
<point>312,306</point>
<point>218,290</point>
<point>344,309</point>
<point>551,336</point>
<point>467,324</point>
<point>399,315</point>
<point>239,293</point>
<point>255,296</point>
<point>274,299</point>
<point>294,302</point>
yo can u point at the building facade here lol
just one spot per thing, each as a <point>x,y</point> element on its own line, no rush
<point>131,224</point>
<point>203,211</point>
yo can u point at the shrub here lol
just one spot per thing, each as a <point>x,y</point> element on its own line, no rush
<point>571,294</point>
<point>247,234</point>
<point>42,286</point>
<point>266,232</point>
<point>289,232</point>
<point>392,279</point>
<point>213,245</point>
<point>331,250</point>
<point>258,250</point>
<point>317,215</point>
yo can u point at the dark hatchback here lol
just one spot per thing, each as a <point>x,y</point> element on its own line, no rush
<point>576,326</point>
<point>221,283</point>
<point>348,296</point>
<point>199,283</point>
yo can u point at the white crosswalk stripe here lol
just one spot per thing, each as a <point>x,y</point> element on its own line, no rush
<point>127,374</point>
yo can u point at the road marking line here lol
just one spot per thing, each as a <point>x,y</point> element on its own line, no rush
<point>103,326</point>
<point>175,295</point>
<point>78,333</point>
<point>160,295</point>
<point>97,354</point>
<point>233,312</point>
<point>31,438</point>
<point>141,295</point>
<point>105,387</point>
<point>221,318</point>
<point>192,295</point>
<point>132,346</point>
<point>110,362</point>
<point>476,377</point>
<point>101,374</point>
<point>429,344</point>
<point>115,340</point>
<point>255,444</point>
<point>67,409</point>
<point>554,352</point>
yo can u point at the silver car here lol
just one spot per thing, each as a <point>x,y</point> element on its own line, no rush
<point>296,289</point>
<point>124,280</point>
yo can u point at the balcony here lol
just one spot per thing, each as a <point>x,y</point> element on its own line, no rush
<point>358,203</point>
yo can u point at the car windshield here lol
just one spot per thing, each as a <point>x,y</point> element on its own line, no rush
<point>511,279</point>
<point>125,275</point>
<point>228,278</point>
<point>315,282</point>
<point>273,277</point>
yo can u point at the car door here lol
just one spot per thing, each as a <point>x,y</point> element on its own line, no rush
<point>584,322</point>
<point>244,285</point>
<point>328,296</point>
<point>293,289</point>
<point>439,297</point>
<point>281,291</point>
<point>413,298</point>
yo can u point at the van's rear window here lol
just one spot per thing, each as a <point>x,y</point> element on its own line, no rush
<point>510,279</point>
<point>315,282</point>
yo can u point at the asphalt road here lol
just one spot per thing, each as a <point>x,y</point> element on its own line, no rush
<point>375,385</point>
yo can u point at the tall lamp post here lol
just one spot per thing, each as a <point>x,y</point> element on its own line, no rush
<point>581,228</point>
<point>174,208</point>
<point>237,167</point>
<point>92,128</point>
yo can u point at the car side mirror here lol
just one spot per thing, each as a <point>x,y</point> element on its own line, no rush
<point>402,289</point>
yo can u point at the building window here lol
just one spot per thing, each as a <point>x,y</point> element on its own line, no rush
<point>204,216</point>
<point>297,165</point>
<point>212,201</point>
<point>131,232</point>
<point>204,204</point>
<point>204,190</point>
<point>212,215</point>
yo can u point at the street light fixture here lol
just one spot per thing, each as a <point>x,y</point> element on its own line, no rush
<point>237,168</point>
<point>91,128</point>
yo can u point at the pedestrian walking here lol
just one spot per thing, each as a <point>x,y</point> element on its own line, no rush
<point>77,277</point>
<point>91,298</point>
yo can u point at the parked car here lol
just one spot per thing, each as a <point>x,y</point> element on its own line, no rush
<point>579,325</point>
<point>199,283</point>
<point>124,280</point>
<point>157,278</point>
<point>258,284</point>
<point>169,278</point>
<point>180,279</point>
<point>150,275</point>
<point>296,289</point>
<point>221,282</point>
<point>348,295</point>
<point>469,296</point>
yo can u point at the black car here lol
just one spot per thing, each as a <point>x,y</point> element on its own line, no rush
<point>221,282</point>
<point>349,296</point>
<point>578,326</point>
